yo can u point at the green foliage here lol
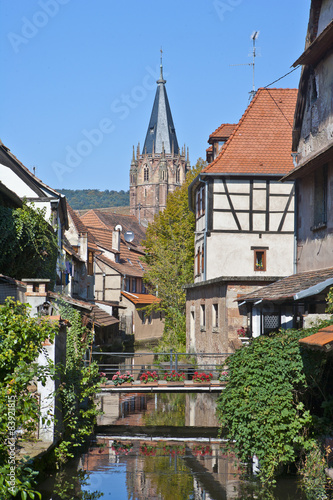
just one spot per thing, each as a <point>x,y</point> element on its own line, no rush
<point>28,243</point>
<point>169,247</point>
<point>80,199</point>
<point>313,477</point>
<point>78,387</point>
<point>266,405</point>
<point>21,339</point>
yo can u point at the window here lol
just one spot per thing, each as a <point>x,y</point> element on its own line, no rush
<point>202,259</point>
<point>146,174</point>
<point>143,317</point>
<point>127,285</point>
<point>260,260</point>
<point>90,266</point>
<point>133,287</point>
<point>149,319</point>
<point>178,175</point>
<point>215,315</point>
<point>198,260</point>
<point>202,317</point>
<point>320,198</point>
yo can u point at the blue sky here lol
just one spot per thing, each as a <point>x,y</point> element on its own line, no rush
<point>78,76</point>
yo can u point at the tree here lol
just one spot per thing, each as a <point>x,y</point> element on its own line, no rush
<point>28,243</point>
<point>21,339</point>
<point>169,247</point>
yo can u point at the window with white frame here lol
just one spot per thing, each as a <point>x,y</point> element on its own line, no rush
<point>202,316</point>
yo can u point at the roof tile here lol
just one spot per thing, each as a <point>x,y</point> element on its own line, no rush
<point>261,141</point>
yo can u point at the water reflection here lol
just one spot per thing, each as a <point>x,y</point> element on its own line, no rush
<point>162,469</point>
<point>158,446</point>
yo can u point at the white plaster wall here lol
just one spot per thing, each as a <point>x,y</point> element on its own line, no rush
<point>230,254</point>
<point>13,182</point>
<point>47,400</point>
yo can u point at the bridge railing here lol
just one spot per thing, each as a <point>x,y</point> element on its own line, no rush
<point>162,362</point>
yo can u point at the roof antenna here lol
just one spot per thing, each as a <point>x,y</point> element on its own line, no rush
<point>253,37</point>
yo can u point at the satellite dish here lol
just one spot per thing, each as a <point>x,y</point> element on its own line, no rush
<point>129,236</point>
<point>118,228</point>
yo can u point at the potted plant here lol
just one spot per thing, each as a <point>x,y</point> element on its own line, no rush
<point>224,376</point>
<point>174,376</point>
<point>119,379</point>
<point>149,377</point>
<point>202,377</point>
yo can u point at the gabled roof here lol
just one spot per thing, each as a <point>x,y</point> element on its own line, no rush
<point>222,132</point>
<point>79,225</point>
<point>102,318</point>
<point>161,130</point>
<point>141,298</point>
<point>97,219</point>
<point>261,141</point>
<point>123,267</point>
<point>39,187</point>
<point>294,287</point>
<point>70,250</point>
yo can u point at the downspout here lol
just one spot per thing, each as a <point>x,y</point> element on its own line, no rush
<point>294,156</point>
<point>295,227</point>
<point>206,226</point>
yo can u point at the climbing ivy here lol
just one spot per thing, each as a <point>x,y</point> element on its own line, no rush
<point>28,243</point>
<point>273,402</point>
<point>21,339</point>
<point>80,382</point>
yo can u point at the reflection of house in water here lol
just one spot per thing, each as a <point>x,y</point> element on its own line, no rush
<point>200,410</point>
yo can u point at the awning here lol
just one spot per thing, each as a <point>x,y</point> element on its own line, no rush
<point>322,340</point>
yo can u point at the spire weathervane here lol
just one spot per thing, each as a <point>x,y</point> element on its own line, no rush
<point>161,79</point>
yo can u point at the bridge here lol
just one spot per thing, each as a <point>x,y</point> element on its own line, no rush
<point>187,386</point>
<point>138,363</point>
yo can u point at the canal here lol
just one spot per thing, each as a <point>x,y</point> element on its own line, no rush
<point>157,446</point>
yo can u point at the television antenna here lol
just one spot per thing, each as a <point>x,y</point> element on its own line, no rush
<point>253,37</point>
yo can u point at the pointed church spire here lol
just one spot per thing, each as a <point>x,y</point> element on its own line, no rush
<point>133,157</point>
<point>161,127</point>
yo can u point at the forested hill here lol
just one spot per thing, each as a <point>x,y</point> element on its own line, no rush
<point>80,199</point>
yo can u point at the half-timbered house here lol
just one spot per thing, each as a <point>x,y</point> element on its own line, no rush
<point>304,295</point>
<point>244,234</point>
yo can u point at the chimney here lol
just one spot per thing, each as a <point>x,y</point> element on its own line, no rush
<point>116,240</point>
<point>36,293</point>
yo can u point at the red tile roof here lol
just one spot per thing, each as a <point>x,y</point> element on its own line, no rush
<point>261,141</point>
<point>78,224</point>
<point>141,298</point>
<point>108,220</point>
<point>323,339</point>
<point>223,131</point>
<point>124,267</point>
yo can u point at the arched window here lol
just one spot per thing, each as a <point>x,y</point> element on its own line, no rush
<point>146,174</point>
<point>178,175</point>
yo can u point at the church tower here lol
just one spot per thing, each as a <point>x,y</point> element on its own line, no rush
<point>161,167</point>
